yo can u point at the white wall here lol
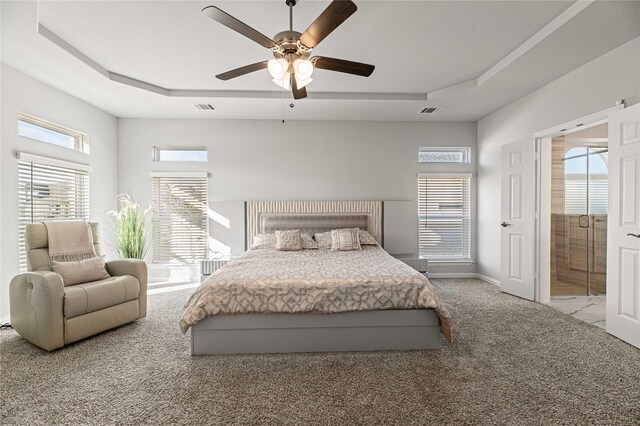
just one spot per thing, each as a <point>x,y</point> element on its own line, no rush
<point>21,93</point>
<point>297,160</point>
<point>593,87</point>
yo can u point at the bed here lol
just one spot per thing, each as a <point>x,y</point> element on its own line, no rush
<point>270,301</point>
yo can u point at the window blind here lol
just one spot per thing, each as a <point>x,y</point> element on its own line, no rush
<point>180,218</point>
<point>586,181</point>
<point>444,216</point>
<point>576,192</point>
<point>48,192</point>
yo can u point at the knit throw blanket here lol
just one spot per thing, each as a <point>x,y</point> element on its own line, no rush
<point>70,241</point>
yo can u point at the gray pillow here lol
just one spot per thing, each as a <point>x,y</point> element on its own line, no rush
<point>80,271</point>
<point>323,239</point>
<point>289,240</point>
<point>308,243</point>
<point>366,239</point>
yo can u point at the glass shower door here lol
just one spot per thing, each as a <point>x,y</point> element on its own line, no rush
<point>580,220</point>
<point>598,194</point>
<point>575,229</point>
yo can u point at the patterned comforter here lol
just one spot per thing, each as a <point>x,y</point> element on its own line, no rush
<point>267,281</point>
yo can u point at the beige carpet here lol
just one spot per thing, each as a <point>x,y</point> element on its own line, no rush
<point>513,363</point>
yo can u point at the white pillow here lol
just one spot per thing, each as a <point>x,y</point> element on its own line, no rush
<point>262,241</point>
<point>345,239</point>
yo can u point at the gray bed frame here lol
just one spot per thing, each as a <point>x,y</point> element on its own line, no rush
<point>314,332</point>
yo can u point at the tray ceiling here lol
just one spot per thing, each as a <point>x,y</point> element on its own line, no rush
<point>426,54</point>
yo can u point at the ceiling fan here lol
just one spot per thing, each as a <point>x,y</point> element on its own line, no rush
<point>292,65</point>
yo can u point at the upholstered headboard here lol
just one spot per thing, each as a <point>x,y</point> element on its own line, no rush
<point>311,222</point>
<point>313,216</point>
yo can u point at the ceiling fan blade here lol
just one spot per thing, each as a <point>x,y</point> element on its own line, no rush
<point>342,65</point>
<point>297,93</point>
<point>235,24</point>
<point>242,70</point>
<point>330,19</point>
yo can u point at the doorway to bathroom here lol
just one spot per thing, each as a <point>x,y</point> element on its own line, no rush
<point>579,204</point>
<point>608,142</point>
<point>578,222</point>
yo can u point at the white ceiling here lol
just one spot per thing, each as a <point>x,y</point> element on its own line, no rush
<point>418,47</point>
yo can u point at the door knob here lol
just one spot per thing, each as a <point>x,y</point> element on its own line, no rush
<point>633,235</point>
<point>505,224</point>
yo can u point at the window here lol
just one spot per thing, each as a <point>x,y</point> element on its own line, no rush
<point>48,132</point>
<point>444,216</point>
<point>443,155</point>
<point>180,216</point>
<point>187,153</point>
<point>49,190</point>
<point>586,181</point>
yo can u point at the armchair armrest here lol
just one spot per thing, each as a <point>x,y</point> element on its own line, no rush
<point>37,308</point>
<point>136,268</point>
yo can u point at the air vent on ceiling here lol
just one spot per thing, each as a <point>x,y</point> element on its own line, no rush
<point>430,110</point>
<point>204,107</point>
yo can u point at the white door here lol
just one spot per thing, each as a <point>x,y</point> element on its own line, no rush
<point>517,219</point>
<point>623,229</point>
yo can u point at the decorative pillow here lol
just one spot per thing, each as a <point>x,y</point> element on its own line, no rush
<point>366,239</point>
<point>80,271</point>
<point>262,241</point>
<point>289,240</point>
<point>323,239</point>
<point>345,239</point>
<point>308,243</point>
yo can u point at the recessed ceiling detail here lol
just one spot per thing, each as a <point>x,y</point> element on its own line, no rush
<point>155,59</point>
<point>538,37</point>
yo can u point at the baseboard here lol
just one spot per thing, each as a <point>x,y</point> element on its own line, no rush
<point>489,280</point>
<point>465,275</point>
<point>167,272</point>
<point>453,275</point>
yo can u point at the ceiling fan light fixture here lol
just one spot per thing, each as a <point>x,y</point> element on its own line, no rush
<point>302,83</point>
<point>291,49</point>
<point>303,69</point>
<point>284,82</point>
<point>278,68</point>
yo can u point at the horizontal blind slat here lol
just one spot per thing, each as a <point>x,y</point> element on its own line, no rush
<point>47,193</point>
<point>444,217</point>
<point>180,218</point>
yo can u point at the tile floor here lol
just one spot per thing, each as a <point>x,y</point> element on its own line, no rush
<point>591,309</point>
